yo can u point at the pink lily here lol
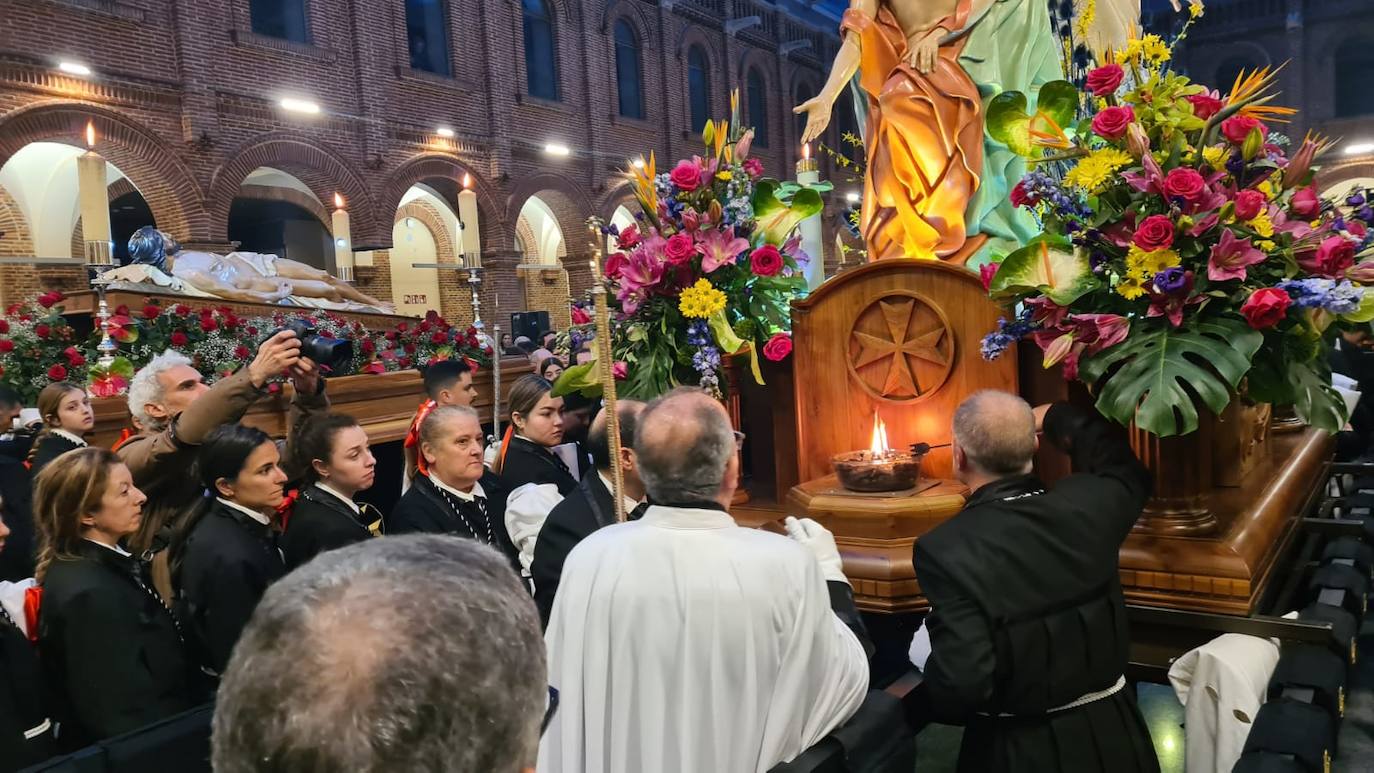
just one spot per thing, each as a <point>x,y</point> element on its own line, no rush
<point>642,270</point>
<point>1297,228</point>
<point>1231,256</point>
<point>720,247</point>
<point>1152,181</point>
<point>1107,330</point>
<point>1046,312</point>
<point>690,219</point>
<point>742,147</point>
<point>1207,223</point>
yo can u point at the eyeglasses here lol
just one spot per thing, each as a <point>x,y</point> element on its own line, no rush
<point>550,710</point>
<point>739,440</point>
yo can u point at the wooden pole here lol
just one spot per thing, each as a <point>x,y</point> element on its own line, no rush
<point>605,365</point>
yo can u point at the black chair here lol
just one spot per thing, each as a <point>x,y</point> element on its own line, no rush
<point>876,739</point>
<point>180,743</point>
<point>1310,674</point>
<point>1339,584</point>
<point>1303,730</point>
<point>1343,627</point>
<point>1349,550</point>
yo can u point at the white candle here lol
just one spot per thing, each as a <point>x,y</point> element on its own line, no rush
<point>343,241</point>
<point>812,241</point>
<point>472,229</point>
<point>94,198</point>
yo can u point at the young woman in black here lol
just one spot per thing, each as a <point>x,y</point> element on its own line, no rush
<point>112,651</point>
<point>226,553</point>
<point>332,451</point>
<point>67,417</point>
<point>535,477</point>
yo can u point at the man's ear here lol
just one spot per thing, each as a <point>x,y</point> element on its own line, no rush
<point>155,410</point>
<point>960,458</point>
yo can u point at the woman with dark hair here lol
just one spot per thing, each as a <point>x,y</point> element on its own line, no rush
<point>224,557</point>
<point>333,452</point>
<point>536,478</point>
<point>112,651</point>
<point>67,416</point>
<point>550,369</point>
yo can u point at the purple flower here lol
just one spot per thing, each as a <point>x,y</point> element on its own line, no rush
<point>1171,280</point>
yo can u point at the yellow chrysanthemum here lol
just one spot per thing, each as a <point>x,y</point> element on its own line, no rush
<point>1096,168</point>
<point>1215,156</point>
<point>724,176</point>
<point>1154,50</point>
<point>1262,224</point>
<point>1195,9</point>
<point>701,300</point>
<point>1268,189</point>
<point>1130,287</point>
<point>1131,51</point>
<point>1144,264</point>
<point>1264,245</point>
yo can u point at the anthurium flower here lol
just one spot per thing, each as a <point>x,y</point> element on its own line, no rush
<point>1230,257</point>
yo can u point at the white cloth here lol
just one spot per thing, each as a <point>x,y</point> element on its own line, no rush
<point>463,496</point>
<point>683,643</point>
<point>12,599</point>
<point>526,509</point>
<point>629,504</point>
<point>919,651</point>
<point>1222,686</point>
<point>572,456</point>
<point>325,487</point>
<point>248,511</point>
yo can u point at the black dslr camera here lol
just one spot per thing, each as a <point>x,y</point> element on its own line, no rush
<point>334,355</point>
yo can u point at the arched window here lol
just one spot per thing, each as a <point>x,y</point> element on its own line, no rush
<point>427,33</point>
<point>541,69</point>
<point>627,76</point>
<point>699,86</point>
<point>804,92</point>
<point>758,107</point>
<point>1230,70</point>
<point>1354,64</point>
<point>283,19</point>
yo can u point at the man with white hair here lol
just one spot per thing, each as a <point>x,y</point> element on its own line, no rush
<point>176,410</point>
<point>683,643</point>
<point>1027,631</point>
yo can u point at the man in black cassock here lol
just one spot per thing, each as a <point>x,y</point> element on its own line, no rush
<point>1027,631</point>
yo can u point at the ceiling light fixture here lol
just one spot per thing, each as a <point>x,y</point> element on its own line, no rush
<point>299,105</point>
<point>852,197</point>
<point>1358,148</point>
<point>557,149</point>
<point>74,68</point>
<point>445,132</point>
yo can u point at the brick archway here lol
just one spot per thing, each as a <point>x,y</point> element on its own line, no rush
<point>290,196</point>
<point>321,169</point>
<point>496,231</point>
<point>454,297</point>
<point>150,163</point>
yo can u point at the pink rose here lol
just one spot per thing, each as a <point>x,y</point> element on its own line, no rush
<point>986,272</point>
<point>686,175</point>
<point>1105,80</point>
<point>766,260</point>
<point>778,347</point>
<point>615,263</point>
<point>1020,197</point>
<point>1265,308</point>
<point>1249,203</point>
<point>1332,258</point>
<point>628,238</point>
<point>680,248</point>
<point>753,167</point>
<point>1156,232</point>
<point>620,370</point>
<point>1112,122</point>
<point>1184,183</point>
<point>1238,127</point>
<point>1206,104</point>
<point>1305,203</point>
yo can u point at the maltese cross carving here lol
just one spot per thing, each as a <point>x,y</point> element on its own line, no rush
<point>901,348</point>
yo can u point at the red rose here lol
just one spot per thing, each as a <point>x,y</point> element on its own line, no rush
<point>1249,203</point>
<point>1265,308</point>
<point>207,324</point>
<point>680,249</point>
<point>1020,197</point>
<point>439,337</point>
<point>423,327</point>
<point>390,335</point>
<point>122,310</point>
<point>408,347</point>
<point>367,346</point>
<point>1332,258</point>
<point>42,331</point>
<point>766,261</point>
<point>403,363</point>
<point>241,352</point>
<point>1205,105</point>
<point>151,312</point>
<point>74,357</point>
<point>181,310</point>
<point>1104,80</point>
<point>402,327</point>
<point>753,167</point>
<point>1306,204</point>
<point>778,347</point>
<point>1156,232</point>
<point>48,300</point>
<point>1184,183</point>
<point>6,346</point>
<point>179,339</point>
<point>4,327</point>
<point>1112,122</point>
<point>1238,127</point>
<point>628,238</point>
<point>686,175</point>
<point>57,373</point>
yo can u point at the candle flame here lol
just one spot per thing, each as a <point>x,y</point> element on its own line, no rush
<point>879,445</point>
<point>806,151</point>
<point>338,201</point>
<point>90,134</point>
<point>467,181</point>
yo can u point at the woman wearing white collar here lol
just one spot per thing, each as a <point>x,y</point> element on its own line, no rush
<point>225,555</point>
<point>332,451</point>
<point>67,417</point>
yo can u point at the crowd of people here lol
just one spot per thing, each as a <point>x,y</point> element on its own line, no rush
<point>203,560</point>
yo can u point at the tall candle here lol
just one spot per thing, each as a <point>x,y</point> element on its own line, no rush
<point>94,198</point>
<point>343,241</point>
<point>472,229</point>
<point>812,240</point>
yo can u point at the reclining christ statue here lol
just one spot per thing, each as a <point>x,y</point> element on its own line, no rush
<point>251,277</point>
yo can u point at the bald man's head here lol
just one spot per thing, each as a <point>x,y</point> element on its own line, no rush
<point>684,443</point>
<point>996,432</point>
<point>628,411</point>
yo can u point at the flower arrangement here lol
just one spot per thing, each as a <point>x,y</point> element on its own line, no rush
<point>37,347</point>
<point>1186,255</point>
<point>710,268</point>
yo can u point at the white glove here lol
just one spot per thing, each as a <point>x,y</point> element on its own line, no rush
<point>821,543</point>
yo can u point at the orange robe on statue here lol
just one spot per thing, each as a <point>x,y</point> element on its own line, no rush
<point>924,141</point>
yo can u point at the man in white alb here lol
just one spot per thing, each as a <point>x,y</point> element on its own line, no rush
<point>683,643</point>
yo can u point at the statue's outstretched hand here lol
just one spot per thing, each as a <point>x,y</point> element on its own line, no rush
<point>817,112</point>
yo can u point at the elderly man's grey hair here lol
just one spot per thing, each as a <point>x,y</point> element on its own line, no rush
<point>996,430</point>
<point>684,442</point>
<point>417,652</point>
<point>146,387</point>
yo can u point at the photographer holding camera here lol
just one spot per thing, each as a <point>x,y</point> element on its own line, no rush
<point>177,411</point>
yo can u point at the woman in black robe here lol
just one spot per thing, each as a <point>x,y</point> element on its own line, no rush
<point>536,478</point>
<point>67,417</point>
<point>332,450</point>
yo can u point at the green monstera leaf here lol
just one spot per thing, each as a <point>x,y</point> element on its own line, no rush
<point>1151,377</point>
<point>1315,400</point>
<point>1009,122</point>
<point>778,219</point>
<point>582,379</point>
<point>1044,266</point>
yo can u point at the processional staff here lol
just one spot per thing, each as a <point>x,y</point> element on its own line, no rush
<point>605,367</point>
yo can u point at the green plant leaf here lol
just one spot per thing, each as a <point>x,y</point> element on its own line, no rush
<point>1008,122</point>
<point>1042,267</point>
<point>1058,101</point>
<point>1152,376</point>
<point>579,378</point>
<point>776,220</point>
<point>1315,400</point>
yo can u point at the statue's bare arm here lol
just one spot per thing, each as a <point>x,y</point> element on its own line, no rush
<point>209,284</point>
<point>818,109</point>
